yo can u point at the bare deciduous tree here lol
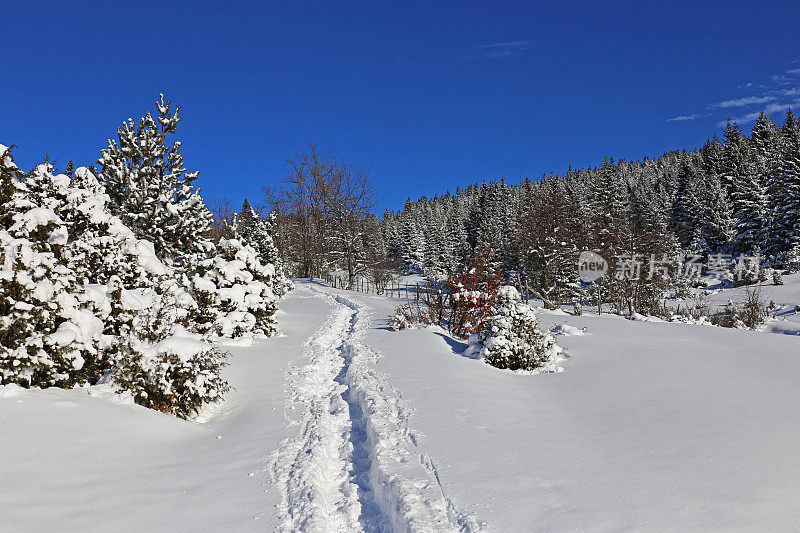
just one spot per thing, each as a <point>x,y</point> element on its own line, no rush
<point>223,212</point>
<point>323,214</point>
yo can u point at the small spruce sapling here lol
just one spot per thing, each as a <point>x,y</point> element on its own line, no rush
<point>511,338</point>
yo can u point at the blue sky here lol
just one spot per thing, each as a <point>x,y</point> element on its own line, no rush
<point>431,95</point>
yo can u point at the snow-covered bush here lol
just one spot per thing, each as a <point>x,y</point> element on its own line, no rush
<point>511,337</point>
<point>100,284</point>
<point>165,367</point>
<point>411,315</point>
<point>234,292</point>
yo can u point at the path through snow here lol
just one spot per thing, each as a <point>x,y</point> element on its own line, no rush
<point>353,464</point>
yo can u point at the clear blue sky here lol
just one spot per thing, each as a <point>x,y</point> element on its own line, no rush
<point>433,95</point>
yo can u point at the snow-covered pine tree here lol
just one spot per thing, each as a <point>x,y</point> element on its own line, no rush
<point>191,236</point>
<point>234,292</point>
<point>456,235</point>
<point>246,218</point>
<point>490,211</point>
<point>687,209</point>
<point>734,155</point>
<point>150,190</point>
<point>45,335</point>
<point>786,214</point>
<point>764,141</point>
<point>748,194</point>
<point>259,232</point>
<point>609,201</point>
<point>412,243</point>
<point>435,254</point>
<point>56,330</point>
<point>511,338</point>
<point>9,183</point>
<point>717,219</point>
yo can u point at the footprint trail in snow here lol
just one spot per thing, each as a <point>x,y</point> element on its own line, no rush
<point>353,464</point>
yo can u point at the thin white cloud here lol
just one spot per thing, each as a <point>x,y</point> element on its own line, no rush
<point>741,102</point>
<point>684,118</point>
<point>777,94</point>
<point>505,49</point>
<point>772,108</point>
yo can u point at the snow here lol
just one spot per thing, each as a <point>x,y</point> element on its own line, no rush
<point>650,427</point>
<point>6,156</point>
<point>566,329</point>
<point>80,461</point>
<point>342,424</point>
<point>784,317</point>
<point>83,325</point>
<point>354,464</point>
<point>185,346</point>
<point>32,219</point>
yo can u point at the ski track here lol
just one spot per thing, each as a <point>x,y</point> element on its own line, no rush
<point>354,464</point>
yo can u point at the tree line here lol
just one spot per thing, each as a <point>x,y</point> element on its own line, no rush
<point>734,196</point>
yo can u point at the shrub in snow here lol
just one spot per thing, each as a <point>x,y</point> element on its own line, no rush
<point>166,368</point>
<point>410,315</point>
<point>233,292</point>
<point>399,321</point>
<point>748,313</point>
<point>97,245</point>
<point>511,337</point>
<point>43,334</point>
<point>472,293</point>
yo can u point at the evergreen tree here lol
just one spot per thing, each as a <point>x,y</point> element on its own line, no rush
<point>174,374</point>
<point>259,232</point>
<point>150,190</point>
<point>687,208</point>
<point>412,243</point>
<point>717,217</point>
<point>234,292</point>
<point>45,336</point>
<point>511,337</point>
<point>786,214</point>
<point>747,192</point>
<point>764,149</point>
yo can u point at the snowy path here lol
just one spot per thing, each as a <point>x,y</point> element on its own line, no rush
<point>353,464</point>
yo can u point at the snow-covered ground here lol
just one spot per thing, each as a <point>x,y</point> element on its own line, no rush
<point>72,460</point>
<point>783,319</point>
<point>341,424</point>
